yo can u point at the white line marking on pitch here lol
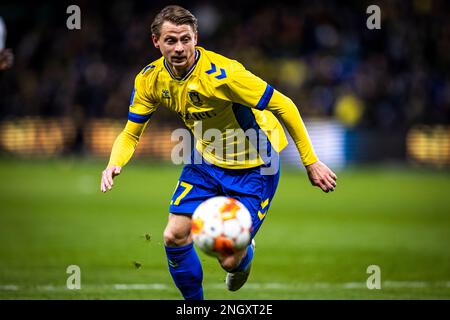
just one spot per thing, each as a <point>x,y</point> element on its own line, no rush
<point>250,286</point>
<point>9,287</point>
<point>141,286</point>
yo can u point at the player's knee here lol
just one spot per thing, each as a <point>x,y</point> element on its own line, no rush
<point>229,263</point>
<point>175,238</point>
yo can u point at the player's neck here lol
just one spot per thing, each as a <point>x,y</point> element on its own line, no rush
<point>181,72</point>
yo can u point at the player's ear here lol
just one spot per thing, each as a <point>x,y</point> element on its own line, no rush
<point>155,40</point>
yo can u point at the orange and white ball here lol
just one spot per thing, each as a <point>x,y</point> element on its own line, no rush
<point>221,226</point>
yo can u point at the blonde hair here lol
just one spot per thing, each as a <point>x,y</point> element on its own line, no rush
<point>175,14</point>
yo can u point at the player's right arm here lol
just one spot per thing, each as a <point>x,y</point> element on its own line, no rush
<point>122,150</point>
<point>140,112</point>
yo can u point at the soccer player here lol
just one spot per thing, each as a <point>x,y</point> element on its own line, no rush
<point>210,91</point>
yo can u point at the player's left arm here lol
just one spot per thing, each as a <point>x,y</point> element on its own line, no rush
<point>247,89</point>
<point>318,173</point>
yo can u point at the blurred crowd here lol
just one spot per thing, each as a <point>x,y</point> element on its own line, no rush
<point>319,53</point>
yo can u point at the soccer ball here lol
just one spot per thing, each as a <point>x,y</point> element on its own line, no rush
<point>221,226</point>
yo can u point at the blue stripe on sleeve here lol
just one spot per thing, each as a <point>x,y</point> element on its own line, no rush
<point>264,101</point>
<point>139,118</point>
<point>146,68</point>
<point>132,96</point>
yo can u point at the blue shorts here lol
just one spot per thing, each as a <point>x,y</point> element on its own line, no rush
<point>199,182</point>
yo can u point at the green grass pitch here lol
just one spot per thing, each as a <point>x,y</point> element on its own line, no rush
<point>311,246</point>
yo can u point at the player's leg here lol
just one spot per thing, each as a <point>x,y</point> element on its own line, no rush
<point>255,191</point>
<point>237,261</point>
<point>184,264</point>
<point>238,267</point>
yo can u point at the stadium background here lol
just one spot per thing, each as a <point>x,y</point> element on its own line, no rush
<point>376,103</point>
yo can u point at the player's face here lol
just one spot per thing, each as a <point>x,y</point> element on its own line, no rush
<point>177,44</point>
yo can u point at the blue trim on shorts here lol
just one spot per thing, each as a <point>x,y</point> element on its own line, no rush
<point>246,185</point>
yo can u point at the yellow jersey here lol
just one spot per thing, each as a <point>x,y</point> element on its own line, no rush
<point>217,95</point>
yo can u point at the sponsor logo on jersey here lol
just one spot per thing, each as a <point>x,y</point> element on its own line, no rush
<point>197,115</point>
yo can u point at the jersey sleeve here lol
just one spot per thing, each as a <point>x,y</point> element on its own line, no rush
<point>247,89</point>
<point>140,111</point>
<point>142,105</point>
<point>285,109</point>
<point>125,143</point>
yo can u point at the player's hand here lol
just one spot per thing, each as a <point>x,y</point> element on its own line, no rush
<point>321,176</point>
<point>6,59</point>
<point>108,176</point>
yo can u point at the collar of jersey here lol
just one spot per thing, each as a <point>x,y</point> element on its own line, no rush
<point>191,69</point>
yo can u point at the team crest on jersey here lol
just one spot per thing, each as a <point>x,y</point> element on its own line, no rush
<point>165,94</point>
<point>195,98</point>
